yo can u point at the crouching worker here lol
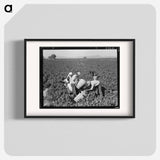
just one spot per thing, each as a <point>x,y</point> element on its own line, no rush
<point>74,81</point>
<point>95,85</point>
<point>67,79</point>
<point>88,86</point>
<point>71,82</point>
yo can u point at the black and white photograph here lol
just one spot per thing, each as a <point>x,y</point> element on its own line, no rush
<point>84,77</point>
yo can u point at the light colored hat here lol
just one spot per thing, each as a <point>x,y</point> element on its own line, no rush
<point>95,77</point>
<point>70,73</point>
<point>78,73</point>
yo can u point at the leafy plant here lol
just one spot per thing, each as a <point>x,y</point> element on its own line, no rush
<point>106,69</point>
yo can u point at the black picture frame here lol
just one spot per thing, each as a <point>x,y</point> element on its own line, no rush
<point>25,76</point>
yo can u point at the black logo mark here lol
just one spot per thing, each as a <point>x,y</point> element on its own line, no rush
<point>8,8</point>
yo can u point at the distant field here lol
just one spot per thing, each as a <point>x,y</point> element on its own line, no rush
<point>55,70</point>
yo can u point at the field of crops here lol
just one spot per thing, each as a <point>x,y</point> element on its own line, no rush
<point>55,70</point>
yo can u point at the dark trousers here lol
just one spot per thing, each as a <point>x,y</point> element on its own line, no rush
<point>99,90</point>
<point>74,89</point>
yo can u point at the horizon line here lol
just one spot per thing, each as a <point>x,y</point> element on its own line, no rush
<point>84,58</point>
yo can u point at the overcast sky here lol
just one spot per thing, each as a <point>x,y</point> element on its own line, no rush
<point>89,53</point>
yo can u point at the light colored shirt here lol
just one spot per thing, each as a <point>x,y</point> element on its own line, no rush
<point>69,77</point>
<point>74,79</point>
<point>70,87</point>
<point>66,80</point>
<point>94,83</point>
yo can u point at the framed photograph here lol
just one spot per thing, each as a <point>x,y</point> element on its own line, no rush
<point>79,78</point>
